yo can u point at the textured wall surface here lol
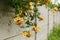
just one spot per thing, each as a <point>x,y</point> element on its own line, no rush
<point>7,29</point>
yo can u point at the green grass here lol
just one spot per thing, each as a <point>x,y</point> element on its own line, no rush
<point>55,35</point>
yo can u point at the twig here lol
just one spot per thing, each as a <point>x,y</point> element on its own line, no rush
<point>48,25</point>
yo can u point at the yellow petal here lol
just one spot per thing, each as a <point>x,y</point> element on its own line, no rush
<point>38,2</point>
<point>53,12</point>
<point>24,33</point>
<point>29,35</point>
<point>55,8</point>
<point>30,3</point>
<point>25,18</point>
<point>36,29</point>
<point>26,13</point>
<point>31,7</point>
<point>41,18</point>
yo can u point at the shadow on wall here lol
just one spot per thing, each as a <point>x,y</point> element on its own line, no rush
<point>4,9</point>
<point>6,13</point>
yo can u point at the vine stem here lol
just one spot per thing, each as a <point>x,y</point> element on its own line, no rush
<point>48,25</point>
<point>35,23</point>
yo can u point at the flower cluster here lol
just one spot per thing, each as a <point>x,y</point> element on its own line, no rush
<point>19,21</point>
<point>26,12</point>
<point>36,29</point>
<point>55,9</point>
<point>26,34</point>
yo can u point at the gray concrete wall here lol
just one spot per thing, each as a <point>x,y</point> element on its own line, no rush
<point>8,30</point>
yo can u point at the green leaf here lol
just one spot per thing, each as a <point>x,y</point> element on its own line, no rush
<point>50,5</point>
<point>55,35</point>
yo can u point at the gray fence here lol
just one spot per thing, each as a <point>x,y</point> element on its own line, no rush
<point>10,31</point>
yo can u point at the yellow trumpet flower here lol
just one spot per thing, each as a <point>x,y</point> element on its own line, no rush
<point>23,12</point>
<point>47,1</point>
<point>18,20</point>
<point>31,7</point>
<point>29,35</point>
<point>19,23</point>
<point>55,8</point>
<point>30,3</point>
<point>26,34</point>
<point>38,2</point>
<point>36,29</point>
<point>53,12</point>
<point>26,13</point>
<point>41,18</point>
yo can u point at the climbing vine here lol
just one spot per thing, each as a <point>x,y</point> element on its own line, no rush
<point>26,12</point>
